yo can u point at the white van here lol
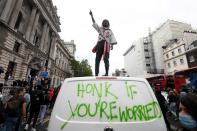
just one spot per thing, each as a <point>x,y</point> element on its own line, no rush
<point>106,104</point>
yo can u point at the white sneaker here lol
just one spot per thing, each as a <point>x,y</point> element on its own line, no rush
<point>33,129</point>
<point>26,127</point>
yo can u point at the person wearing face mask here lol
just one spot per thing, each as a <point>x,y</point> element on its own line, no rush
<point>106,40</point>
<point>188,111</point>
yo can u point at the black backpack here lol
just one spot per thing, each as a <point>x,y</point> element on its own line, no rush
<point>13,107</point>
<point>36,98</point>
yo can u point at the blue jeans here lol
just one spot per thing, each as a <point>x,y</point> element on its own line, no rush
<point>43,109</point>
<point>10,123</point>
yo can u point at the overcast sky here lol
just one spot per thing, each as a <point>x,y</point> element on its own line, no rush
<point>129,20</point>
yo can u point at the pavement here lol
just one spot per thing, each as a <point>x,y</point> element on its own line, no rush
<point>40,127</point>
<point>44,126</point>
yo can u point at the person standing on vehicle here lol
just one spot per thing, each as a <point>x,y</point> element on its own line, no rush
<point>106,40</point>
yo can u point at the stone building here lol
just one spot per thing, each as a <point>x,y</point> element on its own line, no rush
<point>29,40</point>
<point>167,31</point>
<point>180,53</point>
<point>191,54</point>
<point>134,59</point>
<point>191,47</point>
<point>147,53</point>
<point>71,47</point>
<point>174,56</point>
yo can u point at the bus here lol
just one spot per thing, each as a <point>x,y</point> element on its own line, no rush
<point>183,77</point>
<point>158,81</point>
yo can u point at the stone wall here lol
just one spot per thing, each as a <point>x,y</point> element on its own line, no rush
<point>34,26</point>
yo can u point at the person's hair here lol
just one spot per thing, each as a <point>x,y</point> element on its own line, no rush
<point>12,92</point>
<point>190,102</point>
<point>105,20</point>
<point>19,90</point>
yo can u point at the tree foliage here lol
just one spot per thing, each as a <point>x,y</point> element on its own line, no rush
<point>81,69</point>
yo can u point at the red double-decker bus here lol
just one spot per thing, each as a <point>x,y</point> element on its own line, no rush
<point>181,77</point>
<point>158,81</point>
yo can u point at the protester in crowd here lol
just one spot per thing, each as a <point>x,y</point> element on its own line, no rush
<point>163,105</point>
<point>29,80</point>
<point>22,108</point>
<point>1,70</point>
<point>188,111</point>
<point>45,83</point>
<point>2,114</point>
<point>55,95</point>
<point>172,99</point>
<point>6,77</point>
<point>24,83</point>
<point>44,105</point>
<point>44,73</point>
<point>51,94</point>
<point>36,101</point>
<point>27,99</point>
<point>15,110</point>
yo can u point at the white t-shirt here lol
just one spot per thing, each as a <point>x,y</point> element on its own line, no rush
<point>105,34</point>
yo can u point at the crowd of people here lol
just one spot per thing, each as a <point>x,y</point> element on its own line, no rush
<point>26,103</point>
<point>179,108</point>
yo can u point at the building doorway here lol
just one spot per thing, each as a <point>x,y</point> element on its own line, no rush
<point>34,68</point>
<point>10,70</point>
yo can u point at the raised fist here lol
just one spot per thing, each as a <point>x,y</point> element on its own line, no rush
<point>90,12</point>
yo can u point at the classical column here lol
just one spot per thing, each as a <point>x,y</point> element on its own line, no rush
<point>7,10</point>
<point>30,24</point>
<point>2,5</point>
<point>43,36</point>
<point>53,46</point>
<point>15,13</point>
<point>34,27</point>
<point>46,40</point>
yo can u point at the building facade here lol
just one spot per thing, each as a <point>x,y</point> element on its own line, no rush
<point>180,53</point>
<point>174,53</point>
<point>147,56</point>
<point>29,40</point>
<point>167,31</point>
<point>192,54</point>
<point>71,47</point>
<point>134,59</point>
<point>190,38</point>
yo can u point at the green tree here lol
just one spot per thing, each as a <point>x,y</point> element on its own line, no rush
<point>81,68</point>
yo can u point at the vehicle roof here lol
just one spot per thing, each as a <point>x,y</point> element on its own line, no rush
<point>186,69</point>
<point>104,78</point>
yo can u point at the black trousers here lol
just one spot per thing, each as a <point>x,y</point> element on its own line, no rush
<point>99,53</point>
<point>34,112</point>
